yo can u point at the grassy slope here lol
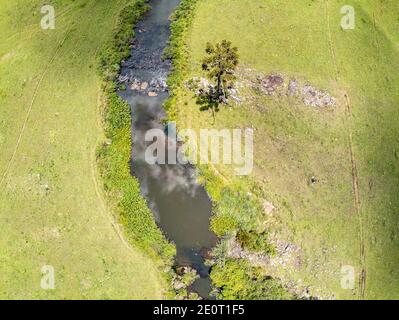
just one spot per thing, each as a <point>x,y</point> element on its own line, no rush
<point>67,224</point>
<point>294,142</point>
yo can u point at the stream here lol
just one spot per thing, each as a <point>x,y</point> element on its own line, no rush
<point>180,205</point>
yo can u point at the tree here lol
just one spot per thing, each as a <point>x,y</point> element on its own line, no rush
<point>221,63</point>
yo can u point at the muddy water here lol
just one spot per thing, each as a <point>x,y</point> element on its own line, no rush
<point>181,207</point>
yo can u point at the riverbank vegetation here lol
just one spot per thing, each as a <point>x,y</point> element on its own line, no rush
<point>234,211</point>
<point>326,171</point>
<point>115,154</point>
<point>52,209</point>
<point>238,280</point>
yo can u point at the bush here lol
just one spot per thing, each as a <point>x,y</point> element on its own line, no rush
<point>237,280</point>
<point>255,242</point>
<point>223,225</point>
<point>117,114</point>
<point>235,210</point>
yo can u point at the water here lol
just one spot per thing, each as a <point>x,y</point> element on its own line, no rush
<point>181,207</point>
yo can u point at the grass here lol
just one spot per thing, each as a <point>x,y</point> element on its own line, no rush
<point>332,220</point>
<point>52,209</point>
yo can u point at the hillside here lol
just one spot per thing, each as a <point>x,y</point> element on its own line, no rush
<point>52,208</point>
<point>331,172</point>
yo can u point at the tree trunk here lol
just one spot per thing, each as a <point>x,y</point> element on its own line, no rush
<point>219,87</point>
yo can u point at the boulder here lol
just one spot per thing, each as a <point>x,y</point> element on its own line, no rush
<point>293,87</point>
<point>144,86</point>
<point>316,98</point>
<point>271,83</point>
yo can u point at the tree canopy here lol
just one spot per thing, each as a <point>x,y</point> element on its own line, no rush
<point>220,63</point>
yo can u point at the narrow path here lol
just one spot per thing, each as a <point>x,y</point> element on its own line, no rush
<point>100,193</point>
<point>35,93</point>
<point>22,130</point>
<point>355,177</point>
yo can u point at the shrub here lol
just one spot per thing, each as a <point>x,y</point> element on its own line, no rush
<point>235,210</point>
<point>237,280</point>
<point>256,242</point>
<point>223,224</point>
<point>117,114</point>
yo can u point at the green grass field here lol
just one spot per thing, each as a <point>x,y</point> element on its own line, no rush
<point>52,204</point>
<point>52,209</point>
<point>349,217</point>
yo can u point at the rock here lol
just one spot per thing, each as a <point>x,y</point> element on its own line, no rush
<point>233,94</point>
<point>206,253</point>
<point>144,86</point>
<point>135,86</point>
<point>315,98</point>
<point>178,284</point>
<point>270,84</point>
<point>202,87</point>
<point>223,100</point>
<point>123,79</point>
<point>313,180</point>
<point>158,85</point>
<point>199,86</point>
<point>274,83</point>
<point>293,87</point>
<point>235,251</point>
<point>268,207</point>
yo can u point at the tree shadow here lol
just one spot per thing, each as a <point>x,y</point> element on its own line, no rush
<point>207,102</point>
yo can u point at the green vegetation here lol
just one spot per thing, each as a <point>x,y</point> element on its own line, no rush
<point>220,64</point>
<point>52,210</point>
<point>240,209</point>
<point>330,172</point>
<point>236,213</point>
<point>238,280</point>
<point>181,21</point>
<point>255,242</point>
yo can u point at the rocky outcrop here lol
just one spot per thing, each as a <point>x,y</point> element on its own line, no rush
<point>273,85</point>
<point>286,253</point>
<point>316,98</point>
<point>277,85</point>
